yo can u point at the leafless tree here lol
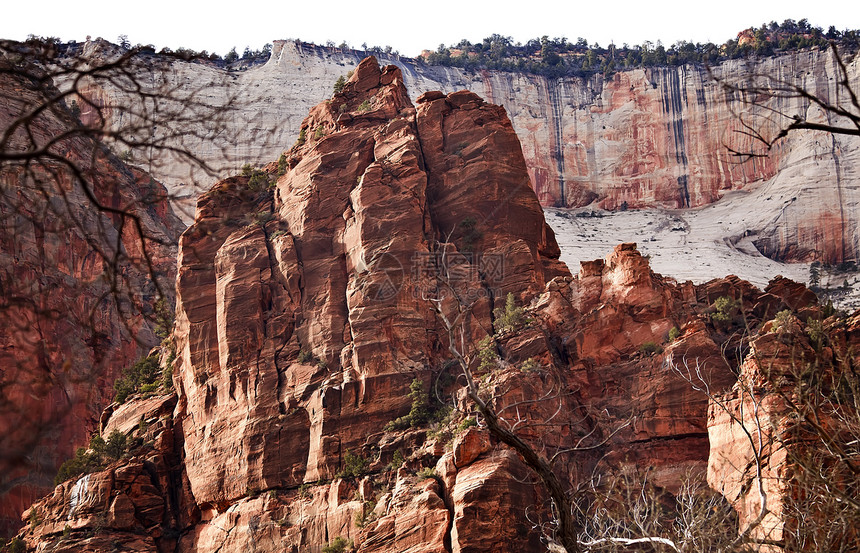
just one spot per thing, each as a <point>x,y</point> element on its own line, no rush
<point>796,393</point>
<point>87,236</point>
<point>814,374</point>
<point>796,404</point>
<point>604,510</point>
<point>630,513</point>
<point>510,421</point>
<point>777,106</point>
<point>744,407</point>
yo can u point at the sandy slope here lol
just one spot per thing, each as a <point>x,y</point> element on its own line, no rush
<point>697,245</point>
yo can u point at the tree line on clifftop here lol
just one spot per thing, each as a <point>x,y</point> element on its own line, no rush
<point>557,57</point>
<point>551,57</point>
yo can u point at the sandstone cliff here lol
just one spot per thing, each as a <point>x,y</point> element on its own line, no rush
<point>791,483</point>
<point>642,138</point>
<point>305,320</point>
<point>75,287</point>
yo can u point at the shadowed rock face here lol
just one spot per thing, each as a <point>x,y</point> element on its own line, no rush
<point>63,337</point>
<point>303,317</point>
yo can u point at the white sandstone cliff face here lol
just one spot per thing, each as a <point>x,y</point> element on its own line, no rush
<point>642,138</point>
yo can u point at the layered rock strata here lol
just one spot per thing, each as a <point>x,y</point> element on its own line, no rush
<point>307,299</point>
<point>656,137</point>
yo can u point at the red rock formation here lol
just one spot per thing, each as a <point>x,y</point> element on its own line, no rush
<point>63,337</point>
<point>762,442</point>
<point>303,316</point>
<point>324,304</point>
<point>654,137</point>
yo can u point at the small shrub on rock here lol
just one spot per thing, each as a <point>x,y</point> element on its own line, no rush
<point>650,348</point>
<point>144,372</point>
<point>337,545</point>
<point>95,457</point>
<point>725,309</point>
<point>511,318</point>
<point>339,84</point>
<point>353,466</point>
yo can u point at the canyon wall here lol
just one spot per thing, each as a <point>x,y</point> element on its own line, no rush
<point>654,137</point>
<point>76,288</point>
<point>311,300</point>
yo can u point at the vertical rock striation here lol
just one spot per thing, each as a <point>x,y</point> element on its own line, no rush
<point>304,327</point>
<point>76,285</point>
<point>654,137</point>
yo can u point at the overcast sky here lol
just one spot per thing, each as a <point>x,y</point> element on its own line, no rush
<point>408,27</point>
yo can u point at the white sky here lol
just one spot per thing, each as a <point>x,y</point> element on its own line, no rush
<point>408,27</point>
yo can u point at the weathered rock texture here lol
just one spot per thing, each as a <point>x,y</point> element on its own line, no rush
<point>646,137</point>
<point>788,424</point>
<point>324,301</point>
<point>303,317</point>
<point>65,329</point>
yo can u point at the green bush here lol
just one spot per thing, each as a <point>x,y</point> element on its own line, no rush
<point>302,137</point>
<point>149,389</point>
<point>353,466</point>
<point>305,356</point>
<point>116,445</point>
<point>725,309</point>
<point>337,545</point>
<point>365,106</point>
<point>530,365</point>
<point>488,358</point>
<point>282,165</point>
<point>466,423</point>
<point>144,372</point>
<point>511,318</point>
<point>365,515</point>
<point>258,180</point>
<point>16,545</point>
<point>419,413</point>
<point>674,333</point>
<point>33,519</point>
<point>163,319</point>
<point>94,458</point>
<point>167,377</point>
<point>650,348</point>
<point>783,320</point>
<point>319,132</point>
<point>427,472</point>
<point>816,332</point>
<point>396,460</point>
<point>339,84</point>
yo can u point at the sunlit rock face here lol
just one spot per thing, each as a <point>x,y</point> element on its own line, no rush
<point>304,315</point>
<point>657,137</point>
<point>310,321</point>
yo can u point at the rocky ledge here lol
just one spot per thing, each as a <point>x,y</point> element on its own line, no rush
<point>318,401</point>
